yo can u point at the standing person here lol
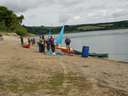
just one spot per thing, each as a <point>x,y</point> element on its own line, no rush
<point>67,42</point>
<point>29,41</point>
<point>52,45</point>
<point>1,37</point>
<point>33,41</point>
<point>41,45</point>
<point>22,40</point>
<point>48,43</point>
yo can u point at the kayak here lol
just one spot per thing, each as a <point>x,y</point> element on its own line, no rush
<point>64,49</point>
<point>26,46</point>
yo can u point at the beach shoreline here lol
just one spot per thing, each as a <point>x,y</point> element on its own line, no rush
<point>29,73</point>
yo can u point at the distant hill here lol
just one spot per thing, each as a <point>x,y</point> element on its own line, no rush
<point>79,28</point>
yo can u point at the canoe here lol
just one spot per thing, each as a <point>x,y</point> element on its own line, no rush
<point>100,55</point>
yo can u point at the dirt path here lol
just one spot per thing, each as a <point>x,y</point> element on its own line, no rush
<point>25,72</point>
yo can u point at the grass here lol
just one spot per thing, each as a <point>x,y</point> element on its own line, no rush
<point>56,80</point>
<point>16,85</point>
<point>54,85</point>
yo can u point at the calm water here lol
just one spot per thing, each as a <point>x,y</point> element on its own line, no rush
<point>113,42</point>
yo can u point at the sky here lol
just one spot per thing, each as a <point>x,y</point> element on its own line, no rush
<point>59,12</point>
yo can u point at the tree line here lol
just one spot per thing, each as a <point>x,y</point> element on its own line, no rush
<point>78,28</point>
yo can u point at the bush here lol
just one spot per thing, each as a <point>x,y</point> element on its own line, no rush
<point>21,31</point>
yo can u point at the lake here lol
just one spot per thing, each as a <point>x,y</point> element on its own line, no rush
<point>113,42</point>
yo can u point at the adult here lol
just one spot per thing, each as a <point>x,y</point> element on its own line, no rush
<point>52,45</point>
<point>33,41</point>
<point>41,44</point>
<point>67,42</point>
<point>22,40</point>
<point>29,41</point>
<point>1,37</point>
<point>48,43</point>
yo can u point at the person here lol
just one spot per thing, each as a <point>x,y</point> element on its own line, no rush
<point>48,43</point>
<point>22,40</point>
<point>52,45</point>
<point>29,41</point>
<point>41,44</point>
<point>1,37</point>
<point>67,42</point>
<point>33,41</point>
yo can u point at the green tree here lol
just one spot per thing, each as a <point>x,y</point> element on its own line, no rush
<point>9,21</point>
<point>20,18</point>
<point>21,31</point>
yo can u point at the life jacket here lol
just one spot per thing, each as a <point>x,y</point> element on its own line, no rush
<point>52,41</point>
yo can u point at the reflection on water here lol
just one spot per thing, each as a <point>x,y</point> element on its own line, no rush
<point>113,42</point>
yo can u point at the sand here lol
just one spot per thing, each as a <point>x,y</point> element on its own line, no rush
<point>25,72</point>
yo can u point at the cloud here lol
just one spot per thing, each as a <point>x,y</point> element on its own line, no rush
<point>24,5</point>
<point>56,12</point>
<point>76,17</point>
<point>63,18</point>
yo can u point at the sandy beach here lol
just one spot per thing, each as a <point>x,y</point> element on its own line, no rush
<point>25,72</point>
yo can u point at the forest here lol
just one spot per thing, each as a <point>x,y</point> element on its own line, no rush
<point>78,28</point>
<point>10,22</point>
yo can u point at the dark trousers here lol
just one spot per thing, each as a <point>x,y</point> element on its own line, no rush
<point>41,48</point>
<point>53,48</point>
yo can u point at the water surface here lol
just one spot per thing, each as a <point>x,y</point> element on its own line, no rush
<point>113,42</point>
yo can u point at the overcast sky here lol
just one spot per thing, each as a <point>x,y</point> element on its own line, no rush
<point>58,12</point>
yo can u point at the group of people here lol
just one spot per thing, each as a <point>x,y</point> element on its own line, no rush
<point>48,44</point>
<point>45,45</point>
<point>30,41</point>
